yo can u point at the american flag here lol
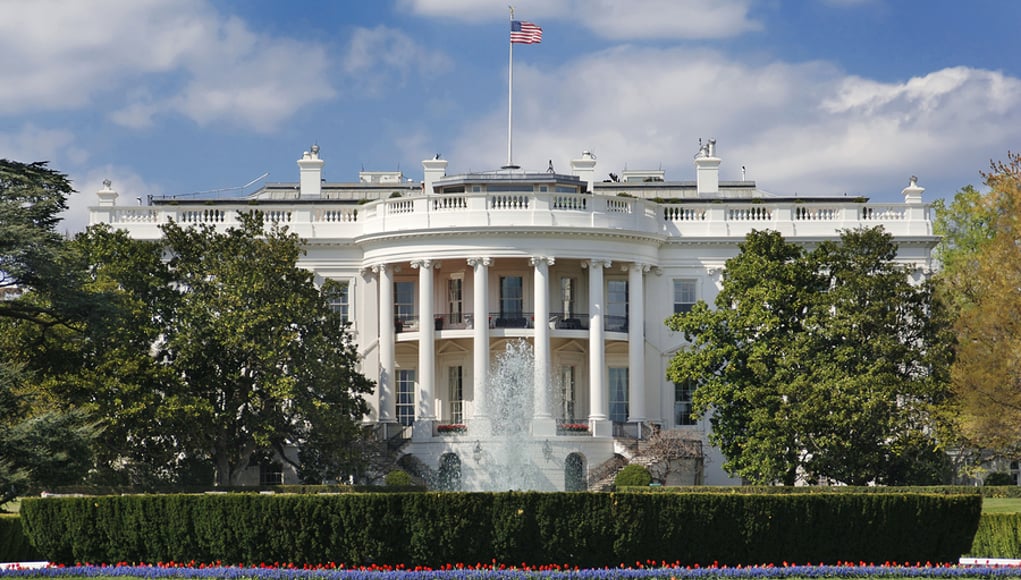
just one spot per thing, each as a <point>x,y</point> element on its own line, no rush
<point>525,33</point>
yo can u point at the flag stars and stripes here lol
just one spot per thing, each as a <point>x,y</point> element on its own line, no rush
<point>525,32</point>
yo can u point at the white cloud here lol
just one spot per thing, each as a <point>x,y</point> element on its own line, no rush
<point>805,128</point>
<point>66,55</point>
<point>31,143</point>
<point>376,55</point>
<point>610,18</point>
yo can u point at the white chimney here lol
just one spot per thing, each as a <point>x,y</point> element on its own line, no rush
<point>107,196</point>
<point>585,168</point>
<point>913,192</point>
<point>310,168</point>
<point>433,169</point>
<point>707,169</point>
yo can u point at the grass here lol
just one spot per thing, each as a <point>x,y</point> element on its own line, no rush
<point>12,507</point>
<point>1001,505</point>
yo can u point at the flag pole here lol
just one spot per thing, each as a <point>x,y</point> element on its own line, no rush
<point>510,99</point>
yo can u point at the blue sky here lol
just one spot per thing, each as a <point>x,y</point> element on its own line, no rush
<point>813,97</point>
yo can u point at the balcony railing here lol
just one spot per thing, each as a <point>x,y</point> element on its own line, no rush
<point>516,320</point>
<point>690,219</point>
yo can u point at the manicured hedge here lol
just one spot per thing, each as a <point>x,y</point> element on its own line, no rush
<point>433,529</point>
<point>998,536</point>
<point>14,546</point>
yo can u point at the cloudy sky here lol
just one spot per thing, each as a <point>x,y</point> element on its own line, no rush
<point>813,97</point>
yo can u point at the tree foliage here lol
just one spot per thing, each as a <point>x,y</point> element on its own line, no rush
<point>982,275</point>
<point>264,362</point>
<point>42,289</point>
<point>213,348</point>
<point>821,365</point>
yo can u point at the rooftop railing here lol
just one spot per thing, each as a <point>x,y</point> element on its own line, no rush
<point>459,211</point>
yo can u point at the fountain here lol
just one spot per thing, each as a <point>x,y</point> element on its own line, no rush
<point>505,454</point>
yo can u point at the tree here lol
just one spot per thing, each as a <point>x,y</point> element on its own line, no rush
<point>39,444</point>
<point>819,365</point>
<point>264,362</point>
<point>32,255</point>
<point>983,274</point>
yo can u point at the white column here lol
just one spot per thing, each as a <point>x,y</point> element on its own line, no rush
<point>425,411</point>
<point>599,406</point>
<point>636,342</point>
<point>543,423</point>
<point>387,363</point>
<point>480,343</point>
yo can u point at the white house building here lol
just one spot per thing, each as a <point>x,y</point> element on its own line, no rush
<point>439,276</point>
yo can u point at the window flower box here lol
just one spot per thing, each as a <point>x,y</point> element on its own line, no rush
<point>573,428</point>
<point>452,428</point>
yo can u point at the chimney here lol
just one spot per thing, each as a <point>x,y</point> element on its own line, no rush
<point>585,168</point>
<point>310,168</point>
<point>913,192</point>
<point>707,169</point>
<point>107,196</point>
<point>433,169</point>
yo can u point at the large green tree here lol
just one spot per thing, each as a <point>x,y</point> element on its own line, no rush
<point>264,362</point>
<point>981,274</point>
<point>822,364</point>
<point>40,444</point>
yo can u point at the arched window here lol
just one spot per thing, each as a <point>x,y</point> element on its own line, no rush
<point>574,473</point>
<point>449,476</point>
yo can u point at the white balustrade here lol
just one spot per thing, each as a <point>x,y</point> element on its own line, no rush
<point>562,210</point>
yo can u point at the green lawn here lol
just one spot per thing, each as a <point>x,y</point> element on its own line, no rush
<point>1001,505</point>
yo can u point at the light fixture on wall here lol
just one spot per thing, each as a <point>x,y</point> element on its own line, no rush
<point>477,452</point>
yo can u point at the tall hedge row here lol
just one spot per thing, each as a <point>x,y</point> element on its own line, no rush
<point>998,536</point>
<point>584,529</point>
<point>14,545</point>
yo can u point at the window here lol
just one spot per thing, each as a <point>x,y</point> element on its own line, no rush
<point>404,301</point>
<point>456,393</point>
<point>406,396</point>
<point>574,473</point>
<point>616,305</point>
<point>567,394</point>
<point>618,394</point>
<point>271,473</point>
<point>512,298</point>
<point>454,300</point>
<point>339,299</point>
<point>567,301</point>
<point>684,295</point>
<point>682,403</point>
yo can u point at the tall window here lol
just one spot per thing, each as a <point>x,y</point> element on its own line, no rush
<point>682,403</point>
<point>616,305</point>
<point>567,394</point>
<point>684,295</point>
<point>406,396</point>
<point>567,300</point>
<point>271,473</point>
<point>456,393</point>
<point>339,299</point>
<point>512,298</point>
<point>618,394</point>
<point>404,300</point>
<point>454,299</point>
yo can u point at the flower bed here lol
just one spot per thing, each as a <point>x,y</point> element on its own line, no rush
<point>639,571</point>
<point>452,428</point>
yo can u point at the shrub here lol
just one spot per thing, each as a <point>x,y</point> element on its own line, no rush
<point>397,478</point>
<point>633,474</point>
<point>1000,478</point>
<point>591,530</point>
<point>14,546</point>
